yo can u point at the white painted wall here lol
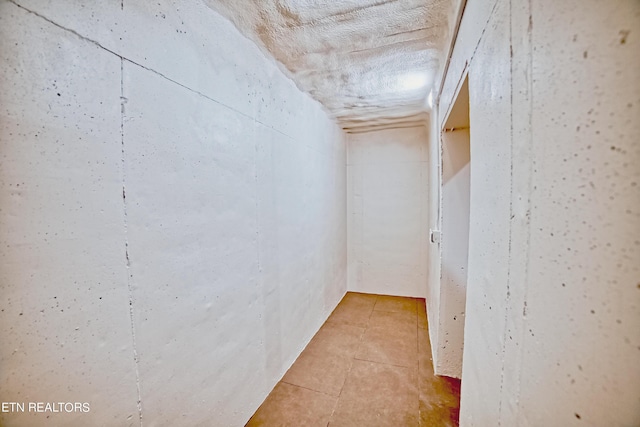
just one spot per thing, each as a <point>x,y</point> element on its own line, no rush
<point>553,305</point>
<point>172,214</point>
<point>432,299</point>
<point>388,211</point>
<point>455,249</point>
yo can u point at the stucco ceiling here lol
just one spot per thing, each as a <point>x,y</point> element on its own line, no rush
<point>369,62</point>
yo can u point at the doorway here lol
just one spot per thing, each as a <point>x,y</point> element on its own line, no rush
<point>456,186</point>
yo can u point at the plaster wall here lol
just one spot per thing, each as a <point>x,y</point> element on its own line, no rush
<point>432,299</point>
<point>553,301</point>
<point>388,211</point>
<point>455,249</point>
<point>172,215</point>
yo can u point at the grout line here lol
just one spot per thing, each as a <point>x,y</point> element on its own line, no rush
<point>360,340</point>
<point>308,388</point>
<point>390,311</point>
<point>382,363</point>
<point>368,326</point>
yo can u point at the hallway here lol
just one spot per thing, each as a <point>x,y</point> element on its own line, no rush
<point>368,365</point>
<point>284,212</point>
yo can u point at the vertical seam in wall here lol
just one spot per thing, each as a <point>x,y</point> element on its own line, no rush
<point>511,217</point>
<point>123,101</point>
<point>529,186</point>
<point>523,265</point>
<point>127,260</point>
<point>436,361</point>
<point>257,219</point>
<point>431,248</point>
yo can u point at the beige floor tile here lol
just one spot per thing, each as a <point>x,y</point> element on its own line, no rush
<point>424,352</point>
<point>354,309</point>
<point>336,338</point>
<point>357,298</point>
<point>395,304</point>
<point>289,405</point>
<point>401,321</point>
<point>439,396</point>
<point>392,337</point>
<point>377,395</point>
<point>384,345</point>
<point>436,415</point>
<point>324,364</point>
<point>354,317</point>
<point>323,372</point>
<point>371,362</point>
<point>439,400</point>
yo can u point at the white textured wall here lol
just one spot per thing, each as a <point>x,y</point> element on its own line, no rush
<point>455,249</point>
<point>553,300</point>
<point>432,299</point>
<point>388,211</point>
<point>172,214</point>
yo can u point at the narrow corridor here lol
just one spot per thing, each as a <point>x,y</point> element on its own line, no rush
<point>369,365</point>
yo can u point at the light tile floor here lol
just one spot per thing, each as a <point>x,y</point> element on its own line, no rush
<point>369,365</point>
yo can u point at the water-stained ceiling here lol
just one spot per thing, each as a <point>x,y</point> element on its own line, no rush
<point>369,62</point>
